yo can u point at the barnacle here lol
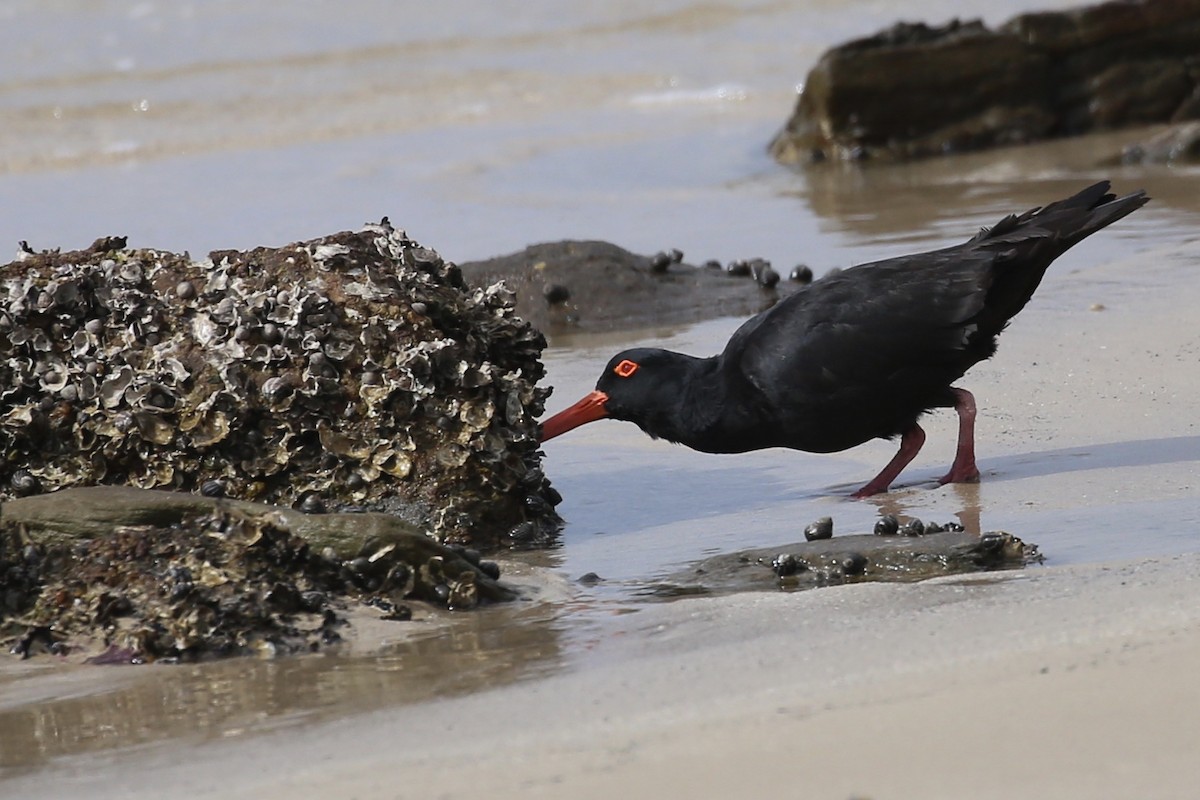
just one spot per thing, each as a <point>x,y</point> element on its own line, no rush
<point>357,368</point>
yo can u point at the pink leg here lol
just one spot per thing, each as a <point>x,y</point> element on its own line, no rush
<point>910,445</point>
<point>963,470</point>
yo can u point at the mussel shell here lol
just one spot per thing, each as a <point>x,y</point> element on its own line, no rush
<point>887,525</point>
<point>820,529</point>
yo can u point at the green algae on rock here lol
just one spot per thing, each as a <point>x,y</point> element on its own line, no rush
<point>356,369</point>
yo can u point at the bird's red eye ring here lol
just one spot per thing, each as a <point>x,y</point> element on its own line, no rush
<point>625,368</point>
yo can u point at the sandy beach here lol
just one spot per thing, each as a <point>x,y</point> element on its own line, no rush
<point>1071,683</point>
<point>209,126</point>
<point>1076,682</point>
<point>1063,680</point>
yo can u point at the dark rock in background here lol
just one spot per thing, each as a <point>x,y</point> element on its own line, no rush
<point>913,90</point>
<point>590,286</point>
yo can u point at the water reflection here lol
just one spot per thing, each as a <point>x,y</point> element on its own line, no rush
<point>969,514</point>
<point>50,711</point>
<point>88,712</point>
<point>892,209</point>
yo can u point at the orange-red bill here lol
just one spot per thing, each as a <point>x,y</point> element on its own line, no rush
<point>589,409</point>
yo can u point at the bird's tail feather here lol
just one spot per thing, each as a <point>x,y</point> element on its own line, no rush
<point>1026,244</point>
<point>1067,220</point>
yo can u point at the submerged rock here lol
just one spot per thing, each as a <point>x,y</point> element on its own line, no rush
<point>355,369</point>
<point>849,559</point>
<point>914,90</point>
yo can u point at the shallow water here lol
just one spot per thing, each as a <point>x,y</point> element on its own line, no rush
<point>81,716</point>
<point>211,125</point>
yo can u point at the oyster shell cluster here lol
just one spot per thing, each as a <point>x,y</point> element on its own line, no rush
<point>228,583</point>
<point>353,370</point>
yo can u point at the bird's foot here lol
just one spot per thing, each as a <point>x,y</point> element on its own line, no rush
<point>872,488</point>
<point>961,473</point>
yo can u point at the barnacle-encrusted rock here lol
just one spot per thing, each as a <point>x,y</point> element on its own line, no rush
<point>355,369</point>
<point>153,575</point>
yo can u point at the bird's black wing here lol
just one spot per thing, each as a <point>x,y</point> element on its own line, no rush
<point>924,318</point>
<point>1026,244</point>
<point>899,327</point>
<point>863,324</point>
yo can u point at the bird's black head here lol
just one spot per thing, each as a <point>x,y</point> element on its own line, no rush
<point>638,381</point>
<point>637,385</point>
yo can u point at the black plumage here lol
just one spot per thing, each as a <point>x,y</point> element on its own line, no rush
<point>857,355</point>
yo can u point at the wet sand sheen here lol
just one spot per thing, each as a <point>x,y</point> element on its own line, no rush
<point>649,132</point>
<point>1083,494</point>
<point>990,688</point>
<point>48,712</point>
<point>1046,478</point>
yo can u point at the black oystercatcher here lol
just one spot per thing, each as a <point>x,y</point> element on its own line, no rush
<point>856,355</point>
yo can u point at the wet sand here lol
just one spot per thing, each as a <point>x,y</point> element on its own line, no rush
<point>1067,683</point>
<point>1074,679</point>
<point>1073,682</point>
<point>206,126</point>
